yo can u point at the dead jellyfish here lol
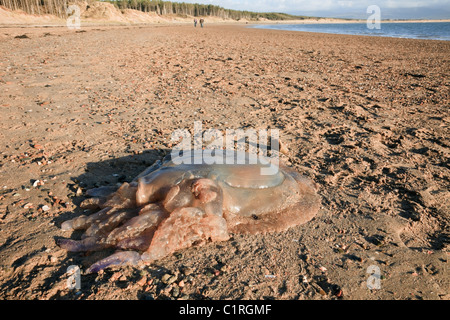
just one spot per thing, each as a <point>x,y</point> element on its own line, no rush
<point>177,204</point>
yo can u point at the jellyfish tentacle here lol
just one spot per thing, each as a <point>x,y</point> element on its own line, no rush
<point>110,222</point>
<point>86,244</point>
<point>136,226</point>
<point>116,259</point>
<point>83,222</point>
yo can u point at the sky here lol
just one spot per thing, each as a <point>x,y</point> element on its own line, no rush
<point>390,9</point>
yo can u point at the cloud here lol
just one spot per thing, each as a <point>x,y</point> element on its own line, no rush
<point>339,8</point>
<point>308,5</point>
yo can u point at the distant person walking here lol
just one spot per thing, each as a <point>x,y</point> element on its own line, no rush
<point>195,23</point>
<point>202,21</point>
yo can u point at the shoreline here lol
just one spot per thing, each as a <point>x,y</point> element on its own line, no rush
<point>95,25</point>
<point>92,24</point>
<point>359,29</point>
<point>343,21</point>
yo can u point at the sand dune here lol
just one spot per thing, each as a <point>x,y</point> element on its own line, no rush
<point>99,13</point>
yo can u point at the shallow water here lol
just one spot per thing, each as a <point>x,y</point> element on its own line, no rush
<point>422,30</point>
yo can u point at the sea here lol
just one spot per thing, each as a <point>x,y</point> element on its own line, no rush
<point>411,30</point>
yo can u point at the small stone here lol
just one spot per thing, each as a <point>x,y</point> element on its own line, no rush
<point>28,205</point>
<point>321,291</point>
<point>45,208</point>
<point>142,281</point>
<point>115,276</point>
<point>339,293</point>
<point>186,270</point>
<point>175,292</point>
<point>165,278</point>
<point>168,279</point>
<point>178,255</point>
<point>172,279</point>
<point>123,278</point>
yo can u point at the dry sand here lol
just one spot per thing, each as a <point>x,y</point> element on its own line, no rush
<point>366,118</point>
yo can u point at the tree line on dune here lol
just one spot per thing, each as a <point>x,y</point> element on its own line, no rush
<point>183,9</point>
<point>55,7</point>
<point>196,10</point>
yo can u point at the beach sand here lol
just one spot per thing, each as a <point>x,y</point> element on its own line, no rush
<point>365,118</point>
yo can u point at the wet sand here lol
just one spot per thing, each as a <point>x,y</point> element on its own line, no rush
<point>366,118</point>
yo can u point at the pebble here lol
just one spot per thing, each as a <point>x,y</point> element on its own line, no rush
<point>339,293</point>
<point>323,269</point>
<point>28,205</point>
<point>186,270</point>
<point>165,278</point>
<point>116,276</point>
<point>142,281</point>
<point>175,292</point>
<point>319,289</point>
<point>168,279</point>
